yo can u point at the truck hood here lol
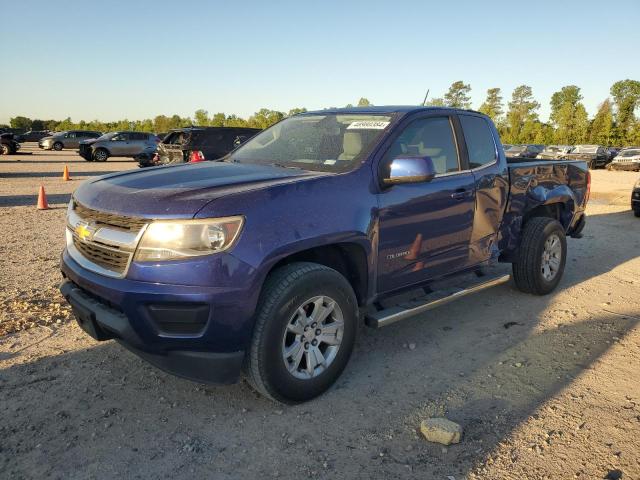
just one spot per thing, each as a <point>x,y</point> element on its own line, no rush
<point>179,191</point>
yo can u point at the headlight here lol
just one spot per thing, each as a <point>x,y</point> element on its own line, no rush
<point>176,239</point>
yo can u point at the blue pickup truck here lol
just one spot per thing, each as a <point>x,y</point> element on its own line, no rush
<point>263,263</point>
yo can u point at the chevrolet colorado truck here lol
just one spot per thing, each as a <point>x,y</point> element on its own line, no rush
<point>263,264</point>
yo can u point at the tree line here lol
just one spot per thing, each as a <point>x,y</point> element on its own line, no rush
<point>615,122</point>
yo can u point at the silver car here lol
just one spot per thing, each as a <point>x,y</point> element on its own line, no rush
<point>119,144</point>
<point>70,139</point>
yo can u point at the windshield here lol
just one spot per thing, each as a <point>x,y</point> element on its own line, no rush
<point>585,149</point>
<point>329,143</point>
<point>107,136</point>
<point>629,153</point>
<point>553,149</point>
<point>517,148</point>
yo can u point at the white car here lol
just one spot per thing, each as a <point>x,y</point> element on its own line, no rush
<point>627,159</point>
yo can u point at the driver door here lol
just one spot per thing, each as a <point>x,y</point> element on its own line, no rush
<point>119,144</point>
<point>425,228</point>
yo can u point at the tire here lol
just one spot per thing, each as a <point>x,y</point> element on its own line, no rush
<point>6,150</point>
<point>636,212</point>
<point>58,146</point>
<point>291,297</point>
<point>100,155</point>
<point>592,165</point>
<point>532,272</point>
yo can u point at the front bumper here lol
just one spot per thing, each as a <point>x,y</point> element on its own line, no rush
<point>104,323</point>
<point>626,166</point>
<point>153,320</point>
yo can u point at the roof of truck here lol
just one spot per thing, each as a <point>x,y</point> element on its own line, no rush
<point>387,109</point>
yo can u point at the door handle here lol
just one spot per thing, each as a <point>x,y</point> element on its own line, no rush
<point>460,194</point>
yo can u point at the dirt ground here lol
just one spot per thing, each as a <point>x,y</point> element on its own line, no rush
<point>544,387</point>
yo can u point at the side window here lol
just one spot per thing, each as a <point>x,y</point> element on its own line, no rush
<point>480,144</point>
<point>428,137</point>
<point>71,135</point>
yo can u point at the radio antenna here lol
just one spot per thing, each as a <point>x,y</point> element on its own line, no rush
<point>425,98</point>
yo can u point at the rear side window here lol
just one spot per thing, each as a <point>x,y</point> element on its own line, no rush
<point>429,137</point>
<point>480,144</point>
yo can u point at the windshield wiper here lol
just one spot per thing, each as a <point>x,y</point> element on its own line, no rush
<point>283,165</point>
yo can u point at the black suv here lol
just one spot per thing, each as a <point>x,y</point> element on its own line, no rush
<point>33,136</point>
<point>8,144</point>
<point>199,143</point>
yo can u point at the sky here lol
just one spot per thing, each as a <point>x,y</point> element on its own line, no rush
<point>138,59</point>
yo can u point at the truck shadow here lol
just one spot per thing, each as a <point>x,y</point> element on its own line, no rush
<point>100,411</point>
<point>54,174</point>
<point>23,200</point>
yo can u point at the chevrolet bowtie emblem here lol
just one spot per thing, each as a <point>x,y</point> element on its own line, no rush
<point>85,231</point>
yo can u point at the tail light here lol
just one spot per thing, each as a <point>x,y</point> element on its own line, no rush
<point>196,156</point>
<point>586,197</point>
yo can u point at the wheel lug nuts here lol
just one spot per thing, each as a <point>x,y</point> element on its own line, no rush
<point>318,332</point>
<point>313,325</point>
<point>306,346</point>
<point>306,329</point>
<point>314,343</point>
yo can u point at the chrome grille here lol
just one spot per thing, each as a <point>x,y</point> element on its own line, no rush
<point>109,258</point>
<point>102,242</point>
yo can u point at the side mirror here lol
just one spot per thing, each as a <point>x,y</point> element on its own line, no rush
<point>406,169</point>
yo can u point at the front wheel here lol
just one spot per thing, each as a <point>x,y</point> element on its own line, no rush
<point>100,155</point>
<point>6,150</point>
<point>636,212</point>
<point>305,329</point>
<point>58,146</point>
<point>542,256</point>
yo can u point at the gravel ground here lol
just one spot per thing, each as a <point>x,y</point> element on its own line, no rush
<point>545,387</point>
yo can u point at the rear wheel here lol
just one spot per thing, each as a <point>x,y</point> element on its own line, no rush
<point>305,329</point>
<point>636,212</point>
<point>542,256</point>
<point>58,146</point>
<point>100,155</point>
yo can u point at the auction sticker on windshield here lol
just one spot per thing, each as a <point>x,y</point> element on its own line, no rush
<point>368,125</point>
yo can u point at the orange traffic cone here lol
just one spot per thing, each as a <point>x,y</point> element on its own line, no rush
<point>65,174</point>
<point>42,199</point>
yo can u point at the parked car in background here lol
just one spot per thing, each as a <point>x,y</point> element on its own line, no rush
<point>119,144</point>
<point>613,151</point>
<point>627,159</point>
<point>554,152</point>
<point>635,199</point>
<point>8,144</point>
<point>70,139</point>
<point>595,155</point>
<point>266,262</point>
<point>203,143</point>
<point>523,151</point>
<point>33,136</point>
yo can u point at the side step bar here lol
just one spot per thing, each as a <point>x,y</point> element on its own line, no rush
<point>385,317</point>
